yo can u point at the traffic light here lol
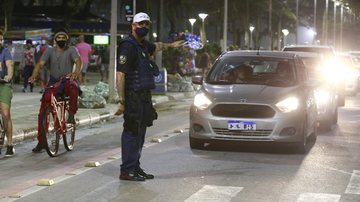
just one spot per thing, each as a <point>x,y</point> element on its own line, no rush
<point>129,10</point>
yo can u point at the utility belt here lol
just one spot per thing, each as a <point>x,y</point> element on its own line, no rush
<point>143,95</point>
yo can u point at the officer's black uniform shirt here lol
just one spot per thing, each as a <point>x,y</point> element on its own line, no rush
<point>127,54</point>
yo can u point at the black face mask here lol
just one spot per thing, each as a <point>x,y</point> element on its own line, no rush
<point>142,31</point>
<point>61,44</point>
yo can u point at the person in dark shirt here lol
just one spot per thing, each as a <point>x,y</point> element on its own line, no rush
<point>134,81</point>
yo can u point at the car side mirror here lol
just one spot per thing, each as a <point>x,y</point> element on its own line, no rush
<point>197,80</point>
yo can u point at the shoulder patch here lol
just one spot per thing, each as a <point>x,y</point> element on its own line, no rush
<point>122,59</point>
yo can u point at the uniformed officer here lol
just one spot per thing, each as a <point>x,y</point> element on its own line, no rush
<point>134,80</point>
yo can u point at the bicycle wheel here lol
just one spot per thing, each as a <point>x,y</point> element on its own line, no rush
<point>69,136</point>
<point>50,136</point>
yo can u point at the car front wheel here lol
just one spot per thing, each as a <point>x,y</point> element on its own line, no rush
<point>196,143</point>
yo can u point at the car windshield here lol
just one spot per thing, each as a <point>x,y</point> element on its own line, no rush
<point>251,70</point>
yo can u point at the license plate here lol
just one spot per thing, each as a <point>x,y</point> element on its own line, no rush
<point>241,125</point>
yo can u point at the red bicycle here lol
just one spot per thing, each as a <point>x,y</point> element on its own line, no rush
<point>55,126</point>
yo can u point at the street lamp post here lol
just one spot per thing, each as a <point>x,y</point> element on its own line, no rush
<point>251,28</point>
<point>325,33</point>
<point>341,26</point>
<point>285,32</point>
<point>192,21</point>
<point>202,32</point>
<point>336,3</point>
<point>315,7</point>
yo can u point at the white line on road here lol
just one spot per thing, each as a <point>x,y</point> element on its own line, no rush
<point>354,184</point>
<point>318,197</point>
<point>214,193</point>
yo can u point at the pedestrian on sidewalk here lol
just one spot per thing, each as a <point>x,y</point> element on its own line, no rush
<point>28,62</point>
<point>134,81</point>
<point>44,75</point>
<point>104,54</point>
<point>85,52</point>
<point>205,63</point>
<point>61,60</point>
<point>6,94</point>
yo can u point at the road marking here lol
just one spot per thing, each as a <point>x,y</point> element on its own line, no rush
<point>354,184</point>
<point>214,193</point>
<point>318,197</point>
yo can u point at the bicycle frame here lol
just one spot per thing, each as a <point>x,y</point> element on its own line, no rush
<point>60,121</point>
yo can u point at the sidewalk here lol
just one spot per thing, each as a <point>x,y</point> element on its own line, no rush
<point>25,109</point>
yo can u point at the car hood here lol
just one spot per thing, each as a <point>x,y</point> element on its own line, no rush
<point>249,93</point>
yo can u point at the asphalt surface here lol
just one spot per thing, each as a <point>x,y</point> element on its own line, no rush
<point>25,108</point>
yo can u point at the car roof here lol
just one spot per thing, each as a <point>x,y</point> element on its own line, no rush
<point>307,54</point>
<point>308,46</point>
<point>261,53</point>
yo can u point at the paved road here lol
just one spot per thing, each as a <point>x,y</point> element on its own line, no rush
<point>329,172</point>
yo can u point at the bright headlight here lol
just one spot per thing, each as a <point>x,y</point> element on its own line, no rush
<point>334,71</point>
<point>201,101</point>
<point>322,96</point>
<point>289,104</point>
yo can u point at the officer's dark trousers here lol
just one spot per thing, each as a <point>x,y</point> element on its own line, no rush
<point>132,139</point>
<point>131,148</point>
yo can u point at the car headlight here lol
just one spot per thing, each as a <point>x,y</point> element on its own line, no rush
<point>322,96</point>
<point>288,105</point>
<point>201,101</point>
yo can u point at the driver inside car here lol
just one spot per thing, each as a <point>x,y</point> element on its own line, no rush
<point>240,73</point>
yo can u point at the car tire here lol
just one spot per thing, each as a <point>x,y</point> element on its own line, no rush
<point>335,116</point>
<point>341,101</point>
<point>313,136</point>
<point>327,124</point>
<point>196,143</point>
<point>301,146</point>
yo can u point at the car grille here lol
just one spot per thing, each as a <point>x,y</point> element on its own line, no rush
<point>243,110</point>
<point>242,133</point>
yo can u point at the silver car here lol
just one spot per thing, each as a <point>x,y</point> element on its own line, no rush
<point>325,93</point>
<point>270,101</point>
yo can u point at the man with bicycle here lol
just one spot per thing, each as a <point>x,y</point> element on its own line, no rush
<point>6,74</point>
<point>60,59</point>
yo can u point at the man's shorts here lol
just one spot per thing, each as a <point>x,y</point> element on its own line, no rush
<point>6,94</point>
<point>85,67</point>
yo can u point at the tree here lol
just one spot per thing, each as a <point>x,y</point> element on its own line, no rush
<point>7,7</point>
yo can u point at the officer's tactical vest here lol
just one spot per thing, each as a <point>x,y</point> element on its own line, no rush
<point>142,78</point>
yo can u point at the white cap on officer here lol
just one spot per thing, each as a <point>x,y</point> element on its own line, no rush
<point>141,17</point>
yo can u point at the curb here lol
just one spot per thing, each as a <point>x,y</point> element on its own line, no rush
<point>31,133</point>
<point>93,118</point>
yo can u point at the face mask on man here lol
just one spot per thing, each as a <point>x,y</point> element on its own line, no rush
<point>61,44</point>
<point>142,31</point>
<point>43,42</point>
<point>28,46</point>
